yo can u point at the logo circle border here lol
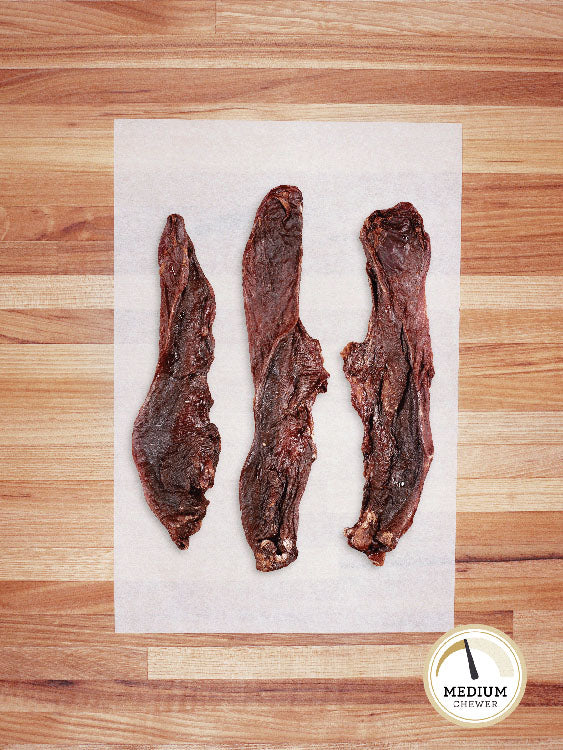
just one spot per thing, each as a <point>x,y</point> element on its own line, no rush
<point>475,723</point>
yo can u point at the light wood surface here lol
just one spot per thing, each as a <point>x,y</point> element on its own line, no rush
<point>66,70</point>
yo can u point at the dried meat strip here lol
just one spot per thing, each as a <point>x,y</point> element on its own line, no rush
<point>288,373</point>
<point>390,375</point>
<point>175,446</point>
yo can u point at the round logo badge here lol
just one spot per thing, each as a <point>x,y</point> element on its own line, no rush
<point>475,675</point>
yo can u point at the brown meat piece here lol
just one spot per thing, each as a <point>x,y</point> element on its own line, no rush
<point>390,375</point>
<point>287,369</point>
<point>175,446</point>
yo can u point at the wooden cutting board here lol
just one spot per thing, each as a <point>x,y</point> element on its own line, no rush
<point>66,70</point>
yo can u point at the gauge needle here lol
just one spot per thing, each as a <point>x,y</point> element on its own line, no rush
<point>472,668</point>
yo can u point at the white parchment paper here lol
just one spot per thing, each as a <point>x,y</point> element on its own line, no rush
<point>215,174</point>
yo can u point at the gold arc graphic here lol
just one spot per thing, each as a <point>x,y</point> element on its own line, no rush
<point>490,648</point>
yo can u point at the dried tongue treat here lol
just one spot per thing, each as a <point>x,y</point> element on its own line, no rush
<point>390,375</point>
<point>175,446</point>
<point>287,369</point>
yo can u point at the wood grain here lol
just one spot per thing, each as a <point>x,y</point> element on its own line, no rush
<point>59,597</point>
<point>185,695</point>
<point>345,50</point>
<point>509,584</point>
<point>67,69</point>
<point>315,662</point>
<point>527,625</point>
<point>510,326</point>
<point>55,223</point>
<point>128,17</point>
<point>270,85</point>
<point>56,563</point>
<point>493,122</point>
<point>38,629</point>
<point>434,744</point>
<point>64,257</point>
<point>525,19</point>
<point>56,663</point>
<point>35,291</point>
<point>228,726</point>
<point>56,326</point>
<point>507,427</point>
<point>297,663</point>
<point>490,495</point>
<point>86,521</point>
<point>501,292</point>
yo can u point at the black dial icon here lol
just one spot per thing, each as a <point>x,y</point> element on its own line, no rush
<point>472,668</point>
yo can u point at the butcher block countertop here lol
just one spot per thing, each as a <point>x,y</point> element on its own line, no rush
<point>67,69</point>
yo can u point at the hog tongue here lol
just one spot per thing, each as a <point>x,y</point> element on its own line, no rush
<point>287,369</point>
<point>390,375</point>
<point>175,446</point>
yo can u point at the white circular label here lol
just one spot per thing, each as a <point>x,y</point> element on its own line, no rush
<point>475,675</point>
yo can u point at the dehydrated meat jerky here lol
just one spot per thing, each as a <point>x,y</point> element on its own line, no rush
<point>175,446</point>
<point>287,369</point>
<point>390,375</point>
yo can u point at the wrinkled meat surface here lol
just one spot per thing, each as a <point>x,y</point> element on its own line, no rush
<point>287,369</point>
<point>390,375</point>
<point>175,446</point>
